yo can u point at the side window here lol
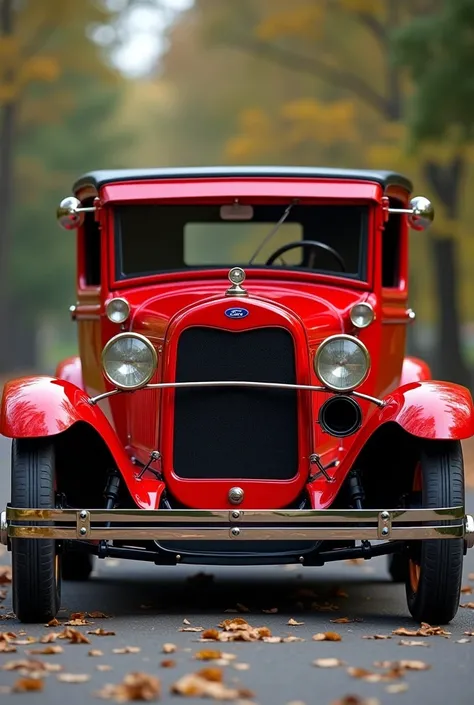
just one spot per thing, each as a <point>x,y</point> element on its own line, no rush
<point>92,250</point>
<point>391,244</point>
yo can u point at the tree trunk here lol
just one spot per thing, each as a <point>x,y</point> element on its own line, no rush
<point>446,181</point>
<point>449,362</point>
<point>7,132</point>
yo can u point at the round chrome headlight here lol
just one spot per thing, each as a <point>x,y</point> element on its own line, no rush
<point>362,315</point>
<point>117,310</point>
<point>342,362</point>
<point>129,361</point>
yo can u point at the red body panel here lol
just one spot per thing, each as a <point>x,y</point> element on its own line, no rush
<point>428,409</point>
<point>35,407</point>
<point>70,370</point>
<point>414,370</point>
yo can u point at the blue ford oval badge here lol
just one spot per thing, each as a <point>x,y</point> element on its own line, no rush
<point>236,312</point>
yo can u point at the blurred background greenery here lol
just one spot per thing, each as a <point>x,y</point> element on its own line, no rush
<point>87,84</point>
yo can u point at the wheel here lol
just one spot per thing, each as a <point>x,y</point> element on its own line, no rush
<point>398,567</point>
<point>76,566</point>
<point>36,569</point>
<point>433,583</point>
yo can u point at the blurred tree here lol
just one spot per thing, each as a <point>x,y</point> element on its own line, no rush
<point>438,49</point>
<point>348,45</point>
<point>51,74</point>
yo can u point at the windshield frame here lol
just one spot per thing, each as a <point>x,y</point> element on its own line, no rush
<point>310,192</point>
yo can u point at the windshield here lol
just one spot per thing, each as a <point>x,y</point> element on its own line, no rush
<point>160,238</point>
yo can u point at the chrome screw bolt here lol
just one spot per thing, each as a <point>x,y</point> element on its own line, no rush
<point>83,531</point>
<point>235,531</point>
<point>384,531</point>
<point>83,515</point>
<point>385,516</point>
<point>235,515</point>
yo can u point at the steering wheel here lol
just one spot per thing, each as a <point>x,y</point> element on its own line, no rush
<point>313,244</point>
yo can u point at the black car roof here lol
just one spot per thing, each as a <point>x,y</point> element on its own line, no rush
<point>100,178</point>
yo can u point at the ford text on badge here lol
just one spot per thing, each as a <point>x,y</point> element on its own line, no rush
<point>236,312</point>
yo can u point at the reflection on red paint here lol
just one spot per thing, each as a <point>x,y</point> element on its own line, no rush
<point>43,406</point>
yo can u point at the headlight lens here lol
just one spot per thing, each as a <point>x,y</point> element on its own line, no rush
<point>117,310</point>
<point>129,360</point>
<point>342,362</point>
<point>362,315</point>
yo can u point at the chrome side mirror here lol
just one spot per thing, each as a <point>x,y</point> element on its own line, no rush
<point>70,213</point>
<point>420,214</point>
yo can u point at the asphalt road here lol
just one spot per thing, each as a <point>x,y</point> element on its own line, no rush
<point>148,605</point>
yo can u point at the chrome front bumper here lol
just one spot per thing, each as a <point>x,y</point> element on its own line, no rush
<point>236,524</point>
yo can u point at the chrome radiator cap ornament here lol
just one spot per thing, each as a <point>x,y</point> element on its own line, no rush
<point>236,495</point>
<point>236,277</point>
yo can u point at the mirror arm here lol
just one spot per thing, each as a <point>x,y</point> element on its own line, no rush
<point>410,211</point>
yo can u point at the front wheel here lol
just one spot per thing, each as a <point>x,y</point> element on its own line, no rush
<point>36,570</point>
<point>433,582</point>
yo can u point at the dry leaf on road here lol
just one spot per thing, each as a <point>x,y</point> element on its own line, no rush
<point>272,610</point>
<point>327,636</point>
<point>463,641</point>
<point>73,677</point>
<point>127,650</point>
<point>191,629</point>
<point>467,590</point>
<point>355,699</point>
<point>49,638</point>
<point>95,652</point>
<point>27,684</point>
<point>7,648</point>
<point>293,623</point>
<point>103,667</point>
<point>408,642</point>
<point>424,630</point>
<point>403,665</point>
<point>208,655</point>
<point>169,648</point>
<point>469,605</point>
<point>328,662</point>
<point>168,663</point>
<point>236,629</point>
<point>53,623</point>
<point>135,686</point>
<point>24,642</point>
<point>377,636</point>
<point>205,684</point>
<point>47,650</point>
<point>74,636</point>
<point>101,632</point>
<point>396,688</point>
<point>5,574</point>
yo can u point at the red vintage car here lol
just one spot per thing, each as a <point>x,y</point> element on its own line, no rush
<point>242,393</point>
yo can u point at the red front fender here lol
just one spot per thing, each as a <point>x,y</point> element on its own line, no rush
<point>34,407</point>
<point>426,409</point>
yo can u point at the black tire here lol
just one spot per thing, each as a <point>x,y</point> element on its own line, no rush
<point>76,566</point>
<point>434,596</point>
<point>398,567</point>
<point>36,570</point>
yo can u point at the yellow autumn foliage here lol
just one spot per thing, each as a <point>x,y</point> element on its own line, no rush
<point>372,7</point>
<point>300,21</point>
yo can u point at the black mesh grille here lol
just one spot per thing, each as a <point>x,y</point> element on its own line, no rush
<point>236,432</point>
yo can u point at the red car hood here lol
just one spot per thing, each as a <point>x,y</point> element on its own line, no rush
<point>322,311</point>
